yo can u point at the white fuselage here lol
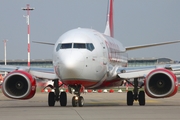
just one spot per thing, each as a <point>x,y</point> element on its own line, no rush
<point>89,58</point>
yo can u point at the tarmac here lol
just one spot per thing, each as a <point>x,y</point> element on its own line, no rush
<point>98,106</point>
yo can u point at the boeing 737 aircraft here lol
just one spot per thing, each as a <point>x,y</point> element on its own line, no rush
<point>87,59</point>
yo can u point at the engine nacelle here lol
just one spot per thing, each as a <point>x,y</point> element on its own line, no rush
<point>19,85</point>
<point>161,83</point>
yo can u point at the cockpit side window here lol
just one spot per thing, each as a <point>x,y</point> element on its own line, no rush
<point>90,46</point>
<point>79,45</point>
<point>58,47</point>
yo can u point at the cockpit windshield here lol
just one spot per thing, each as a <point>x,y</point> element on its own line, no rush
<point>63,46</point>
<point>88,46</point>
<point>66,45</point>
<point>79,45</point>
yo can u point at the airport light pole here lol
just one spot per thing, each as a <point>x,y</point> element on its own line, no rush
<point>28,25</point>
<point>5,54</point>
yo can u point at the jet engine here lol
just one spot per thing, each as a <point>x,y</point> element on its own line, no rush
<point>19,85</point>
<point>161,83</point>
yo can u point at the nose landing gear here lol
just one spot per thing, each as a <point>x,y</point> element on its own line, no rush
<point>77,100</point>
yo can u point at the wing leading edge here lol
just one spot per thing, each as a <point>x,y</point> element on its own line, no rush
<point>43,73</point>
<point>142,72</point>
<point>150,45</point>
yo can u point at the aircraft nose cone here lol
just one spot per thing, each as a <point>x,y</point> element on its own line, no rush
<point>71,65</point>
<point>71,59</point>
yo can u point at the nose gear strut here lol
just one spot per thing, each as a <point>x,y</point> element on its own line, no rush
<point>77,99</point>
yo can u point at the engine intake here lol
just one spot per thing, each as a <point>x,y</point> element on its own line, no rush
<point>161,83</point>
<point>19,85</point>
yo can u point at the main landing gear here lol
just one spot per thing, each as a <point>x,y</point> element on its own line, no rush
<point>77,100</point>
<point>56,95</point>
<point>133,95</point>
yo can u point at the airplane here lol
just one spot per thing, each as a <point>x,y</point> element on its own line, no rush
<point>87,59</point>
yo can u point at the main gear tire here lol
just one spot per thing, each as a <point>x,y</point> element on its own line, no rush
<point>130,98</point>
<point>141,98</point>
<point>51,99</point>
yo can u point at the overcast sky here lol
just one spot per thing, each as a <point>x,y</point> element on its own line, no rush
<point>136,22</point>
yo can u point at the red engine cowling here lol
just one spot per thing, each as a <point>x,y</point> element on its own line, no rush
<point>19,85</point>
<point>161,83</point>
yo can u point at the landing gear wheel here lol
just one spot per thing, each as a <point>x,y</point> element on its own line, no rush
<point>81,101</point>
<point>63,99</point>
<point>130,98</point>
<point>141,98</point>
<point>74,101</point>
<point>51,99</point>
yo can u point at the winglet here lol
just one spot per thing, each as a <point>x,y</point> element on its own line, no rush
<point>109,25</point>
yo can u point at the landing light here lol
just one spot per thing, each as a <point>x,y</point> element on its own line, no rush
<point>76,98</point>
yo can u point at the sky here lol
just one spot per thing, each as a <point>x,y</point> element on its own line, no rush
<point>136,22</point>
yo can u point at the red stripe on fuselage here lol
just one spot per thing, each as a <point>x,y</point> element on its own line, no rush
<point>85,83</point>
<point>111,83</point>
<point>90,83</point>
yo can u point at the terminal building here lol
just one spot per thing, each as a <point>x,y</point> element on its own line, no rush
<point>132,62</point>
<point>47,63</point>
<point>135,62</point>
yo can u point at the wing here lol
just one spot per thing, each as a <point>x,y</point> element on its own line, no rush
<point>43,73</point>
<point>47,43</point>
<point>150,45</point>
<point>158,81</point>
<point>142,72</point>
